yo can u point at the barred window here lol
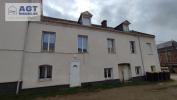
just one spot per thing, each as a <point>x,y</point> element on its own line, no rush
<point>45,72</point>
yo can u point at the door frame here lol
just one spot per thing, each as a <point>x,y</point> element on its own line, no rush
<point>71,65</point>
<point>121,67</point>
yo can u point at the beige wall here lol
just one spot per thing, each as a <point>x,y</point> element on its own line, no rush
<point>11,45</point>
<point>92,64</point>
<point>12,39</point>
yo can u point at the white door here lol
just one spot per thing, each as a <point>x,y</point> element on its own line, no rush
<point>124,72</point>
<point>75,74</point>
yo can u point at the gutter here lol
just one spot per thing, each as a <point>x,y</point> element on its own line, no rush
<point>142,60</point>
<point>23,59</point>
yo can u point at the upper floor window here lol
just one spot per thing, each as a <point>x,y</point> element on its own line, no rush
<point>149,48</point>
<point>108,73</point>
<point>48,41</point>
<point>45,72</point>
<point>132,47</point>
<point>111,45</point>
<point>82,43</point>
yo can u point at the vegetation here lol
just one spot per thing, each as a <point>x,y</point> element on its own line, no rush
<point>31,95</point>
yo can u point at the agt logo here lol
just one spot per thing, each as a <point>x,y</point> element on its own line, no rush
<point>28,10</point>
<point>23,11</point>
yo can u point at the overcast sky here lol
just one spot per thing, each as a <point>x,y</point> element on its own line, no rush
<point>158,17</point>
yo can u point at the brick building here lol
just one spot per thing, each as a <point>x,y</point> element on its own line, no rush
<point>168,55</point>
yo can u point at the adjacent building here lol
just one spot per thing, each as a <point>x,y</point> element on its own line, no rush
<point>58,52</point>
<point>168,55</point>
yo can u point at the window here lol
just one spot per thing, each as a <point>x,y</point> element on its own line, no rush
<point>111,45</point>
<point>132,47</point>
<point>45,72</point>
<point>153,69</point>
<point>82,44</point>
<point>149,48</point>
<point>48,41</point>
<point>108,73</point>
<point>138,70</point>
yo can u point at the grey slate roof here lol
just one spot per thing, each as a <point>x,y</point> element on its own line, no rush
<point>166,44</point>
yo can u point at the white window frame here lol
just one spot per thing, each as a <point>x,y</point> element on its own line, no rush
<point>153,68</point>
<point>107,70</point>
<point>48,43</point>
<point>149,48</point>
<point>113,49</point>
<point>138,68</point>
<point>132,46</point>
<point>45,73</point>
<point>82,42</point>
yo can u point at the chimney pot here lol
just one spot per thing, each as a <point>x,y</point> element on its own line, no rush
<point>104,23</point>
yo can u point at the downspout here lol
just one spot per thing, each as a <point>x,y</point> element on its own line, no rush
<point>23,59</point>
<point>141,55</point>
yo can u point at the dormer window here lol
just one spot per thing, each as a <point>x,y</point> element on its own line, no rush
<point>124,26</point>
<point>85,18</point>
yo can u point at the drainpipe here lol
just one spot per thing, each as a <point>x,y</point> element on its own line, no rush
<point>141,54</point>
<point>23,59</point>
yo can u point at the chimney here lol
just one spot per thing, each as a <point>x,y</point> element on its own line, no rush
<point>85,18</point>
<point>124,26</point>
<point>104,23</point>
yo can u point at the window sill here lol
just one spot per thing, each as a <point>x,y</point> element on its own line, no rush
<point>108,78</point>
<point>47,51</point>
<point>150,54</point>
<point>112,53</point>
<point>133,53</point>
<point>45,79</point>
<point>82,52</point>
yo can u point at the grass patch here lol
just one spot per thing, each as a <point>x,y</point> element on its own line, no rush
<point>29,95</point>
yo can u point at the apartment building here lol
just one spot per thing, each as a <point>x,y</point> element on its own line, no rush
<point>62,53</point>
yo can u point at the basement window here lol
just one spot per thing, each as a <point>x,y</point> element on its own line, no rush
<point>45,72</point>
<point>108,73</point>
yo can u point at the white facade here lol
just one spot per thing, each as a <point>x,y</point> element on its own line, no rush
<point>21,55</point>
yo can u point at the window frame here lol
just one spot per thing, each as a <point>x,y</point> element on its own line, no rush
<point>48,43</point>
<point>153,68</point>
<point>113,49</point>
<point>83,50</point>
<point>138,70</point>
<point>132,47</point>
<point>47,75</point>
<point>106,73</point>
<point>149,48</point>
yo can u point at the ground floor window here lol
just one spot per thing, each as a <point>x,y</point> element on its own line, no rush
<point>138,70</point>
<point>153,68</point>
<point>45,72</point>
<point>108,73</point>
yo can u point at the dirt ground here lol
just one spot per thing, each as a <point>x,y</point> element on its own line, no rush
<point>160,91</point>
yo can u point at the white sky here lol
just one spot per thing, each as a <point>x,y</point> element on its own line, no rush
<point>158,17</point>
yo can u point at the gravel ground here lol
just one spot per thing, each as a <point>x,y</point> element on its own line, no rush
<point>160,91</point>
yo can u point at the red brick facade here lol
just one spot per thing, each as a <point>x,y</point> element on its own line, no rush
<point>168,55</point>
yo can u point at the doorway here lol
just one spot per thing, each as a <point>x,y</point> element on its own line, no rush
<point>75,74</point>
<point>124,72</point>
